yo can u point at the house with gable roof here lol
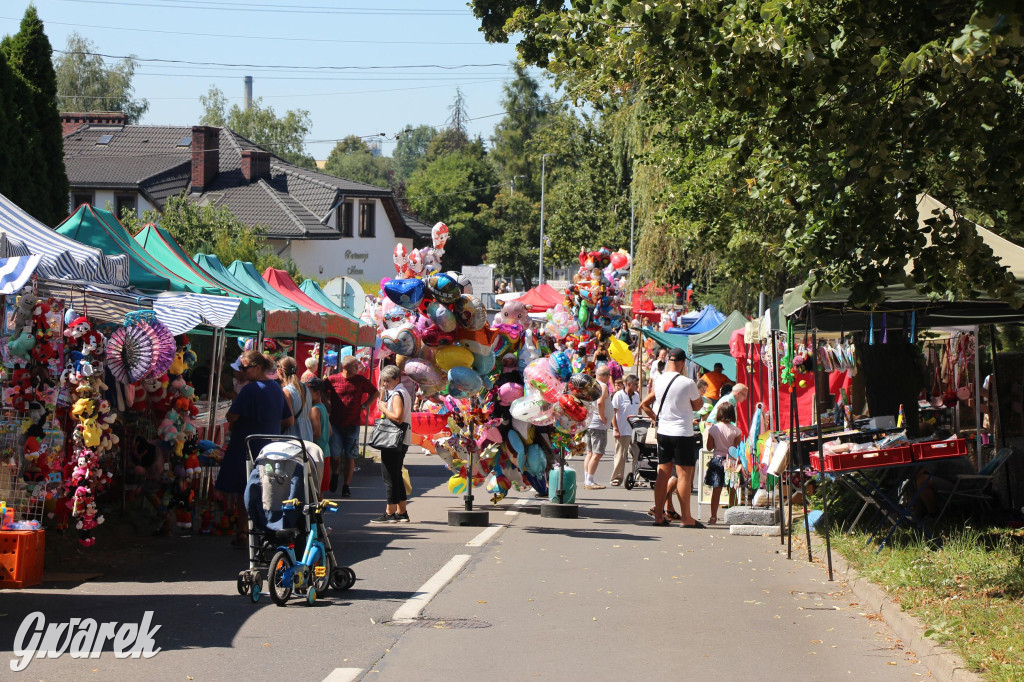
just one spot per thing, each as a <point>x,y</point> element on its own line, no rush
<point>328,226</point>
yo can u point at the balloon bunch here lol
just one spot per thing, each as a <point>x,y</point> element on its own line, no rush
<point>595,298</point>
<point>425,261</point>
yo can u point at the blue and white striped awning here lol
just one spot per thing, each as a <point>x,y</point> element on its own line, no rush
<point>183,312</point>
<point>15,271</point>
<point>60,258</point>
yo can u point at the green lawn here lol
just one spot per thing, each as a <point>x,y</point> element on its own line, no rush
<point>969,593</point>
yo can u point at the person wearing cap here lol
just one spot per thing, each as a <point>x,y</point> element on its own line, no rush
<point>349,393</point>
<point>596,438</point>
<point>716,379</point>
<point>670,407</point>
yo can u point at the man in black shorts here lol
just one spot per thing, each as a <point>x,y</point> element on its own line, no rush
<point>675,397</point>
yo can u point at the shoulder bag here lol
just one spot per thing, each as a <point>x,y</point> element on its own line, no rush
<point>386,434</point>
<point>651,437</point>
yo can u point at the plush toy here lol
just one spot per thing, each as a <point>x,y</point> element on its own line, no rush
<point>81,472</point>
<point>20,345</point>
<point>88,523</point>
<point>513,312</point>
<point>24,310</point>
<point>77,329</point>
<point>178,364</point>
<point>91,432</point>
<point>93,344</point>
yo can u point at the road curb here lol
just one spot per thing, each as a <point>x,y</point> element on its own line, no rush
<point>943,663</point>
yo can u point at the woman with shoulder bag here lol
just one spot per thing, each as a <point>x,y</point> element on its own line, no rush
<point>395,404</point>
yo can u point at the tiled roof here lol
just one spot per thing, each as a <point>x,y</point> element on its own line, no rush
<point>291,202</point>
<point>416,225</point>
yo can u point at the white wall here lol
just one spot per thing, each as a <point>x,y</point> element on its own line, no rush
<point>365,259</point>
<point>102,197</point>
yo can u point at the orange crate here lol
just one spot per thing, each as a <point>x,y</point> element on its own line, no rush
<point>849,461</point>
<point>939,449</point>
<point>21,557</point>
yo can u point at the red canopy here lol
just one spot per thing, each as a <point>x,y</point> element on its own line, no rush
<point>336,324</point>
<point>540,298</point>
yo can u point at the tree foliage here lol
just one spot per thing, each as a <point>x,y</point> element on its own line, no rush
<point>32,161</point>
<point>514,222</point>
<point>526,112</point>
<point>802,132</point>
<point>352,159</point>
<point>210,229</point>
<point>410,149</point>
<point>85,82</point>
<point>283,136</point>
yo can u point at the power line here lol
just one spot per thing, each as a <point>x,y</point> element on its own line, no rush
<point>159,60</point>
<point>450,194</point>
<point>281,9</point>
<point>262,38</point>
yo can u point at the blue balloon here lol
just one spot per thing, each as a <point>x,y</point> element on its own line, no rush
<point>561,366</point>
<point>405,292</point>
<point>463,382</point>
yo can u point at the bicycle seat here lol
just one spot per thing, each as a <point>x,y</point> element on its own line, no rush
<point>286,534</point>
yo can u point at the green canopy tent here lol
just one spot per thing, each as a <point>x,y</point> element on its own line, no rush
<point>248,319</point>
<point>310,325</point>
<point>367,333</point>
<point>282,320</point>
<point>713,346</point>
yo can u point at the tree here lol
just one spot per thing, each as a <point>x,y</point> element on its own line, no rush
<point>42,186</point>
<point>410,149</point>
<point>352,159</point>
<point>86,83</point>
<point>514,222</point>
<point>451,188</point>
<point>283,136</point>
<point>210,229</point>
<point>822,120</point>
<point>525,113</point>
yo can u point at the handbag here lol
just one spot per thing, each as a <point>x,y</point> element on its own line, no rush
<point>651,437</point>
<point>386,434</point>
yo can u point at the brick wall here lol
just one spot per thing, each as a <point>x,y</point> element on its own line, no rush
<point>205,156</point>
<point>73,121</point>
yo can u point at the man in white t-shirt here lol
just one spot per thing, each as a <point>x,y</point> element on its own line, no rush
<point>626,404</point>
<point>670,406</point>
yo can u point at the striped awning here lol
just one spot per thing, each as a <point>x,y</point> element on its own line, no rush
<point>182,312</point>
<point>61,258</point>
<point>15,271</point>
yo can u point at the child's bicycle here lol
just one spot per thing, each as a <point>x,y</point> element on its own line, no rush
<point>308,577</point>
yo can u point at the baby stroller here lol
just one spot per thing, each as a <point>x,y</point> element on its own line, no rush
<point>283,484</point>
<point>645,457</point>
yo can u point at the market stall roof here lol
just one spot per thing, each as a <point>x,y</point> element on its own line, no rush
<point>717,339</point>
<point>312,324</point>
<point>905,306</point>
<point>709,318</point>
<point>367,334</point>
<point>161,245</point>
<point>61,258</point>
<point>666,339</point>
<point>339,327</point>
<point>540,298</point>
<point>282,320</point>
<point>16,271</point>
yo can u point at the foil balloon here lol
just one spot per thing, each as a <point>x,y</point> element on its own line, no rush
<point>483,363</point>
<point>442,316</point>
<point>401,340</point>
<point>524,429</point>
<point>532,409</point>
<point>405,292</point>
<point>457,485</point>
<point>567,424</point>
<point>508,338</point>
<point>393,315</point>
<point>620,260</point>
<point>400,257</point>
<point>463,281</point>
<point>431,260</point>
<point>470,313</point>
<point>572,406</point>
<point>415,263</point>
<point>463,382</point>
<point>439,235</point>
<point>538,375</point>
<point>507,393</point>
<point>443,288</point>
<point>561,366</point>
<point>451,356</point>
<point>584,387</point>
<point>526,357</point>
<point>536,462</point>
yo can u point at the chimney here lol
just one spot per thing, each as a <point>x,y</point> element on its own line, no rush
<point>255,164</point>
<point>205,156</point>
<point>248,92</point>
<point>71,121</point>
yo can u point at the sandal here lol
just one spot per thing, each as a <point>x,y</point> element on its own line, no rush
<point>713,520</point>
<point>663,522</point>
<point>697,524</point>
<point>673,515</point>
<point>650,512</point>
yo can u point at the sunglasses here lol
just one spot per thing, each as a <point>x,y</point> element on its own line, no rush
<point>245,367</point>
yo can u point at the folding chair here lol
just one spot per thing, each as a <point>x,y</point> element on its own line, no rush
<point>977,487</point>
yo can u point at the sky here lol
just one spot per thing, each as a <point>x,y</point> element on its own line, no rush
<point>411,57</point>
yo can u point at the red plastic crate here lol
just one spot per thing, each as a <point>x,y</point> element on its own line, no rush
<point>939,449</point>
<point>868,459</point>
<point>21,558</point>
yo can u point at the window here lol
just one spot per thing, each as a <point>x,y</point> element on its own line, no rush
<point>367,213</point>
<point>124,201</point>
<point>79,198</point>
<point>345,219</point>
<point>104,139</point>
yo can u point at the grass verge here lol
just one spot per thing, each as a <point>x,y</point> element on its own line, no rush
<point>969,593</point>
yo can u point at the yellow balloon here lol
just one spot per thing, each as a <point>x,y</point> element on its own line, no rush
<point>457,485</point>
<point>447,357</point>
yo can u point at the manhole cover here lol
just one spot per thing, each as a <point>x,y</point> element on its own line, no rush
<point>443,624</point>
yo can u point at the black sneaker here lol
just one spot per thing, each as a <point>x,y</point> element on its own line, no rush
<point>385,518</point>
<point>345,491</point>
<point>334,483</point>
<point>402,518</point>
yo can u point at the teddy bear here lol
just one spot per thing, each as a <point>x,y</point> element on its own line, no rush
<point>513,312</point>
<point>24,310</point>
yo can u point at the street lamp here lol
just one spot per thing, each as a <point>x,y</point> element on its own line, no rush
<point>543,157</point>
<point>512,192</point>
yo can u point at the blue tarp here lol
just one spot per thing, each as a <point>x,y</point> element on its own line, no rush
<point>709,318</point>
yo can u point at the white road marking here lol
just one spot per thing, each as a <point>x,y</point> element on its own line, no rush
<point>485,535</point>
<point>411,609</point>
<point>521,502</point>
<point>343,675</point>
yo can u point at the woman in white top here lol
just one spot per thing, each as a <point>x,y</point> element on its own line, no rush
<point>298,398</point>
<point>395,403</point>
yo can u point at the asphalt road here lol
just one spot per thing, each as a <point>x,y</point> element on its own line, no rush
<point>602,597</point>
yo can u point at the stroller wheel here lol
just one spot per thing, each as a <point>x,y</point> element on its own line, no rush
<point>343,578</point>
<point>280,587</point>
<point>243,583</point>
<point>630,481</point>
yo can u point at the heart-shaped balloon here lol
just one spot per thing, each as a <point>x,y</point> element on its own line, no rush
<point>401,340</point>
<point>463,382</point>
<point>405,292</point>
<point>572,406</point>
